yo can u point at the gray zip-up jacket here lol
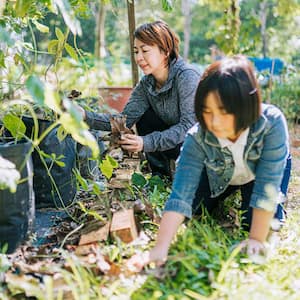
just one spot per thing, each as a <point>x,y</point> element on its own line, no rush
<point>173,103</point>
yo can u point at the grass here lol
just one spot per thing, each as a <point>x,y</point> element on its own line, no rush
<point>203,263</point>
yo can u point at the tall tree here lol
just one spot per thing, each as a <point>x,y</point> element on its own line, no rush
<point>263,15</point>
<point>186,11</point>
<point>100,13</point>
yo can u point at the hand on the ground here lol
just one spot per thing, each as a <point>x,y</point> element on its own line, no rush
<point>131,142</point>
<point>253,247</point>
<point>138,261</point>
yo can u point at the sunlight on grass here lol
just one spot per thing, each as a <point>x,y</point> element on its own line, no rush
<point>204,265</point>
<point>279,278</point>
<point>204,262</point>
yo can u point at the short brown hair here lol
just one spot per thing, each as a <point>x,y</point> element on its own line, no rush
<point>233,80</point>
<point>159,33</point>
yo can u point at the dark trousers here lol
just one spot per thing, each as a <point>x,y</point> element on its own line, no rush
<point>159,161</point>
<point>280,212</point>
<point>203,199</point>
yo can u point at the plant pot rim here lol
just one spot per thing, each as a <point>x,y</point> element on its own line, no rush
<point>115,87</point>
<point>11,141</point>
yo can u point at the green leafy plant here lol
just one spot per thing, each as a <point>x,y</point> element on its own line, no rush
<point>286,95</point>
<point>107,166</point>
<point>15,125</point>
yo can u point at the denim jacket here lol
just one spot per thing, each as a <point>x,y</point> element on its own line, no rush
<point>265,153</point>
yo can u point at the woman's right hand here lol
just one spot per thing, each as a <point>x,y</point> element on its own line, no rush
<point>138,261</point>
<point>168,227</point>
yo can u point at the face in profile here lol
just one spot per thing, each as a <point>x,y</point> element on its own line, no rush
<point>149,58</point>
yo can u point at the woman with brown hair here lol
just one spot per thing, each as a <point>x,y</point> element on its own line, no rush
<point>161,105</point>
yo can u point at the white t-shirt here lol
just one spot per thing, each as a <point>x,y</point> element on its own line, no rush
<point>241,174</point>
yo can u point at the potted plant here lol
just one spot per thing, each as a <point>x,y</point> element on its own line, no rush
<point>53,162</point>
<point>17,209</point>
<point>16,191</point>
<point>115,97</point>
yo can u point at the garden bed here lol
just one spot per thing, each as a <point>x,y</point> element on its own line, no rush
<point>200,262</point>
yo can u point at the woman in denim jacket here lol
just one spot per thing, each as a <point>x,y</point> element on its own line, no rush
<point>239,143</point>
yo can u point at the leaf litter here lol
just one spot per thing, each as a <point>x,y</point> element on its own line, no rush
<point>82,248</point>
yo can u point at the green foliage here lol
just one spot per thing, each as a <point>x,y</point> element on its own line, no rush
<point>153,191</point>
<point>108,165</point>
<point>195,259</point>
<point>36,89</point>
<point>201,261</point>
<point>79,131</point>
<point>167,5</point>
<point>69,117</point>
<point>81,182</point>
<point>90,212</point>
<point>138,180</point>
<point>157,182</point>
<point>15,126</point>
<point>286,95</point>
<point>153,182</point>
<point>40,27</point>
<point>71,51</point>
<point>53,158</point>
<point>2,62</point>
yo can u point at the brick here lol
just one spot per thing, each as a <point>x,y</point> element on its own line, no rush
<point>100,234</point>
<point>123,225</point>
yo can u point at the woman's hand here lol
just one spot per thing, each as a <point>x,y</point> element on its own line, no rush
<point>168,227</point>
<point>131,142</point>
<point>155,255</point>
<point>253,247</point>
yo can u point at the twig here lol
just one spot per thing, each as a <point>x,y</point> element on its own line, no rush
<point>69,234</point>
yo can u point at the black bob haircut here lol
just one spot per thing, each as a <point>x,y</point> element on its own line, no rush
<point>233,81</point>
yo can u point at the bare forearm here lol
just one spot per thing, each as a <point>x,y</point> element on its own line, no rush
<point>168,228</point>
<point>261,220</point>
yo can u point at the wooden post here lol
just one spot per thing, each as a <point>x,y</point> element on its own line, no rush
<point>131,22</point>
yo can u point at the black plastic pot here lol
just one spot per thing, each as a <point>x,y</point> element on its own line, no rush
<point>17,209</point>
<point>88,167</point>
<point>58,189</point>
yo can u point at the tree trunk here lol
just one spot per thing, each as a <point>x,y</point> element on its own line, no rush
<point>263,11</point>
<point>100,50</point>
<point>235,24</point>
<point>186,11</point>
<point>131,22</point>
<point>2,6</point>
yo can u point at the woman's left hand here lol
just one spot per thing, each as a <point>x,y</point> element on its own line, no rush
<point>131,142</point>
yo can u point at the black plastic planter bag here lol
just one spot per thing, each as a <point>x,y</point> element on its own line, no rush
<point>54,185</point>
<point>88,167</point>
<point>17,209</point>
